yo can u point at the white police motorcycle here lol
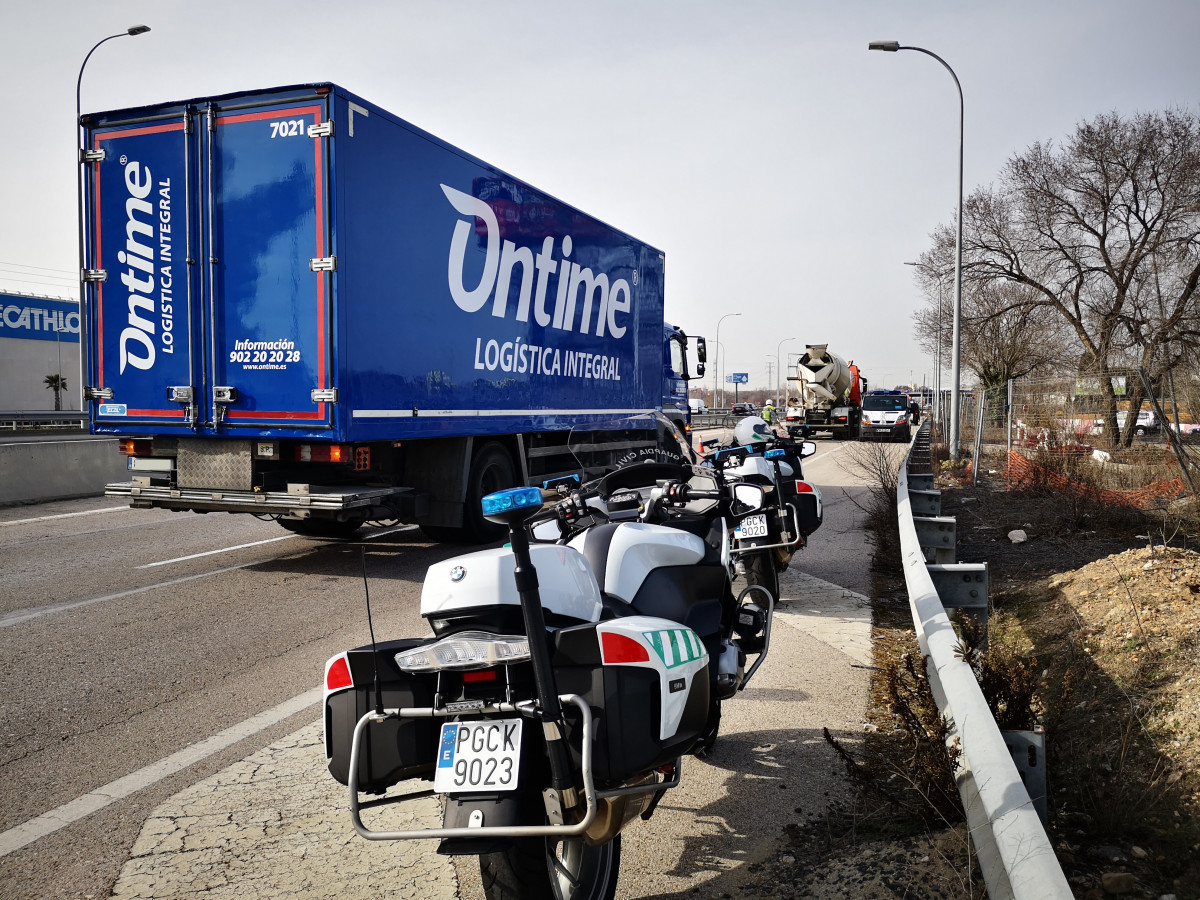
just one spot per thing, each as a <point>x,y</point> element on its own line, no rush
<point>765,543</point>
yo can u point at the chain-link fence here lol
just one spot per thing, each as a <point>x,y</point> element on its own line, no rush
<point>1070,415</point>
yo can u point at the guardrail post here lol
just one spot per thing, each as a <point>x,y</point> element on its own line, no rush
<point>925,503</point>
<point>964,586</point>
<point>1028,749</point>
<point>961,585</point>
<point>920,483</point>
<point>936,533</point>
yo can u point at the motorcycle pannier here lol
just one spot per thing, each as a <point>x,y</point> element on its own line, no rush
<point>394,749</point>
<point>650,707</point>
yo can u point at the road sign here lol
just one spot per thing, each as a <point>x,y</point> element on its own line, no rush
<point>738,378</point>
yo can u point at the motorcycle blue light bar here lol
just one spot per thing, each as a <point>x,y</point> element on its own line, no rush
<point>775,454</point>
<point>513,498</point>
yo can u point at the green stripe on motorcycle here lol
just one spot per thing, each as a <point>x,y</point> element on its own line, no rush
<point>675,647</point>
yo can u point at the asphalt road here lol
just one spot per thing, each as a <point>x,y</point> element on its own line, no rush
<point>148,654</point>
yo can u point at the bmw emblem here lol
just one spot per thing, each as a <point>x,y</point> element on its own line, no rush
<point>457,574</point>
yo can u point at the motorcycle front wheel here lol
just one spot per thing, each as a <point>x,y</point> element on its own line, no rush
<point>546,869</point>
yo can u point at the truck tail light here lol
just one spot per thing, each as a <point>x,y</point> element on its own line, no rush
<point>136,446</point>
<point>333,453</point>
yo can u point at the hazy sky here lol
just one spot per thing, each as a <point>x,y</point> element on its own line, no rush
<point>787,172</point>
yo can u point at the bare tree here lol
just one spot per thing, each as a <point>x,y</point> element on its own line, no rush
<point>1103,231</point>
<point>1004,334</point>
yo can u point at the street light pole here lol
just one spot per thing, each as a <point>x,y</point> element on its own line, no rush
<point>956,353</point>
<point>778,347</point>
<point>715,369</point>
<point>80,150</point>
<point>941,305</point>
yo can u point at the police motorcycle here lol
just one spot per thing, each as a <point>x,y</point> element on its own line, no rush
<point>765,543</point>
<point>568,674</point>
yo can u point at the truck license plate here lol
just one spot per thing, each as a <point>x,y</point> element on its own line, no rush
<point>752,527</point>
<point>482,755</point>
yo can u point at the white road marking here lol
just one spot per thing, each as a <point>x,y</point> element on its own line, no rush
<point>89,512</point>
<point>167,562</point>
<point>24,615</point>
<point>391,529</point>
<point>49,822</point>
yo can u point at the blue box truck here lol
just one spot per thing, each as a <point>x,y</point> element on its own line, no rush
<point>300,305</point>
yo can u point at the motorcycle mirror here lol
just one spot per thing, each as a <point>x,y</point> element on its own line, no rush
<point>747,498</point>
<point>512,506</point>
<point>546,532</point>
<point>807,449</point>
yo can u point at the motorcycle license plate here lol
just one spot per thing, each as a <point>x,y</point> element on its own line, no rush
<point>752,527</point>
<point>482,755</point>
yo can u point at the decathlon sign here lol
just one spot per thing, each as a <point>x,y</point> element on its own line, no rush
<point>36,319</point>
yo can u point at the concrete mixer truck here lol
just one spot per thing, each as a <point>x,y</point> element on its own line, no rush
<point>825,394</point>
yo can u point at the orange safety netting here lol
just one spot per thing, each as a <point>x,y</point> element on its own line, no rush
<point>1023,472</point>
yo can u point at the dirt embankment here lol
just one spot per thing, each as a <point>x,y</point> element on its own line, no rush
<point>1096,611</point>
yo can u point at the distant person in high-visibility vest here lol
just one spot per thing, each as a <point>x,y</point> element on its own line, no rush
<point>768,412</point>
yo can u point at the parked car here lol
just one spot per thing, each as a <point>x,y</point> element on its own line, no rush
<point>1147,422</point>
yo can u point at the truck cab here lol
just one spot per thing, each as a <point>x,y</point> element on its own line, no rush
<point>683,360</point>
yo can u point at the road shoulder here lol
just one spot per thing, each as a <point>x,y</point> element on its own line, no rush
<point>276,825</point>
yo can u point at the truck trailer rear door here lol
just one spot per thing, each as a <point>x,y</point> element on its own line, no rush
<point>139,325</point>
<point>268,276</point>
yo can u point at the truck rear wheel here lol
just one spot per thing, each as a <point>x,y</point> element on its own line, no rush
<point>491,470</point>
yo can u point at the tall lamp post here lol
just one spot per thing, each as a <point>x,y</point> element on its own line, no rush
<point>132,31</point>
<point>937,378</point>
<point>956,353</point>
<point>778,347</point>
<point>715,369</point>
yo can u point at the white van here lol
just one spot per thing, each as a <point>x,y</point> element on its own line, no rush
<point>697,406</point>
<point>1147,422</point>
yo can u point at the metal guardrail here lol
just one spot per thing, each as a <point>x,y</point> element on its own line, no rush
<point>1014,851</point>
<point>714,418</point>
<point>67,418</point>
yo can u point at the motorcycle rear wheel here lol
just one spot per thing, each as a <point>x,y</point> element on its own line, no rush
<point>760,570</point>
<point>546,869</point>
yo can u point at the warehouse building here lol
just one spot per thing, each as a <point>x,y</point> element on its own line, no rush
<point>39,350</point>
